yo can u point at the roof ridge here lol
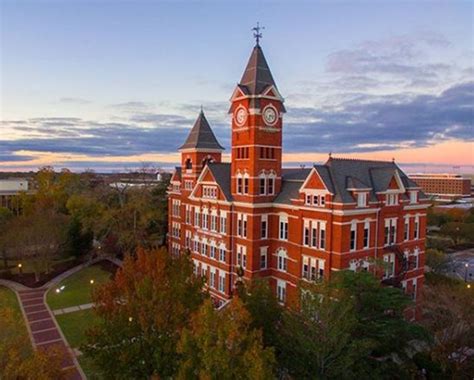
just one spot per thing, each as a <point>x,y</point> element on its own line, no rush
<point>358,159</point>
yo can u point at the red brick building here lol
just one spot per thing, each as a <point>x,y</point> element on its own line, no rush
<point>443,186</point>
<point>252,217</point>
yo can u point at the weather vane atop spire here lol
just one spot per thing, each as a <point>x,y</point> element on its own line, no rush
<point>257,34</point>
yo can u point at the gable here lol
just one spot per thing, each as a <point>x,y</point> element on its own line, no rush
<point>393,185</point>
<point>313,182</point>
<point>176,177</point>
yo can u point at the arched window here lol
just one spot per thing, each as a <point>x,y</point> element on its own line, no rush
<point>188,164</point>
<point>271,183</point>
<point>262,183</point>
<point>282,260</point>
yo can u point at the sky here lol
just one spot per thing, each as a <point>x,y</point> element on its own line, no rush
<point>112,85</point>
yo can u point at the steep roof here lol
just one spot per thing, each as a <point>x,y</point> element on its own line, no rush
<point>339,175</point>
<point>257,76</point>
<point>201,136</point>
<point>221,173</point>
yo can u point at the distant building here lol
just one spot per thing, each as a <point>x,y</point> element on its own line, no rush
<point>9,189</point>
<point>251,218</point>
<point>443,186</point>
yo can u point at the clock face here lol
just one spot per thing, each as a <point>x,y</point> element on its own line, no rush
<point>270,116</point>
<point>240,116</point>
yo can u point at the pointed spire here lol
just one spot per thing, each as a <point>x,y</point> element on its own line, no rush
<point>257,75</point>
<point>201,135</point>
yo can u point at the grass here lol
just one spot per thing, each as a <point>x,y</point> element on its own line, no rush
<point>8,299</point>
<point>74,325</point>
<point>88,368</point>
<point>78,288</point>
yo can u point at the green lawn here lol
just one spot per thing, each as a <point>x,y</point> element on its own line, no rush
<point>78,288</point>
<point>8,299</point>
<point>88,368</point>
<point>74,325</point>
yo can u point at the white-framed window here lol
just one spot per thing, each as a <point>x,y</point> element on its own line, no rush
<point>242,256</point>
<point>392,199</point>
<point>283,232</point>
<point>196,245</point>
<point>240,184</point>
<point>209,192</point>
<point>306,233</point>
<point>188,185</point>
<point>389,261</point>
<point>204,247</point>
<point>197,216</point>
<point>214,220</point>
<point>187,218</point>
<point>416,229</point>
<point>322,235</point>
<point>176,207</point>
<point>212,277</point>
<point>188,239</point>
<point>213,249</point>
<point>353,237</point>
<point>390,231</point>
<point>282,262</point>
<point>271,184</point>
<point>221,282</point>
<point>262,184</point>
<point>361,199</point>
<point>222,253</point>
<point>281,291</point>
<point>413,196</point>
<point>366,234</point>
<point>416,255</point>
<point>308,199</point>
<point>316,200</point>
<point>322,200</point>
<point>246,184</point>
<point>242,225</point>
<point>205,218</point>
<point>263,257</point>
<point>406,230</point>
<point>264,227</point>
<point>223,222</point>
<point>175,248</point>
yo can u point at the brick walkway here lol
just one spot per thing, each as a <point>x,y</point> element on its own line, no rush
<point>44,331</point>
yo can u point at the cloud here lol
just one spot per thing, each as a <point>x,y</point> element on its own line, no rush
<point>132,106</point>
<point>385,123</point>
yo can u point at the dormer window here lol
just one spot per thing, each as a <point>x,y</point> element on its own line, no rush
<point>392,199</point>
<point>315,200</point>
<point>308,200</point>
<point>413,196</point>
<point>361,199</point>
<point>209,192</point>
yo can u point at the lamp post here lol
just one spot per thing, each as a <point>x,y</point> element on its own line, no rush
<point>20,268</point>
<point>466,267</point>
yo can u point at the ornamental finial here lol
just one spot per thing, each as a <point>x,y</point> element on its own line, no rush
<point>257,34</point>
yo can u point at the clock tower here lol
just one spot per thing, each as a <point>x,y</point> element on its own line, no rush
<point>257,113</point>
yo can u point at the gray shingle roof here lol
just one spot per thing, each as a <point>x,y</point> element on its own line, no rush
<point>289,190</point>
<point>222,175</point>
<point>201,136</point>
<point>299,174</point>
<point>257,76</point>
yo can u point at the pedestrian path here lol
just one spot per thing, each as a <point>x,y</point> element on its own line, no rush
<point>44,331</point>
<point>73,309</point>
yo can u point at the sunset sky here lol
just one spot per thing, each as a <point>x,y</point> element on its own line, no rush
<point>110,85</point>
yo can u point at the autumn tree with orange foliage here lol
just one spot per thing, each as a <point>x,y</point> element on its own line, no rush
<point>223,345</point>
<point>142,312</point>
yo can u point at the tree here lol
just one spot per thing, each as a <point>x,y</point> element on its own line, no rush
<point>458,231</point>
<point>5,216</point>
<point>448,307</point>
<point>142,312</point>
<point>78,242</point>
<point>266,312</point>
<point>17,360</point>
<point>350,326</point>
<point>223,345</point>
<point>436,259</point>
